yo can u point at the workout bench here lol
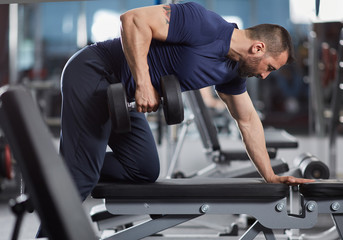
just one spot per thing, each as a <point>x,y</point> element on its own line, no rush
<point>172,202</point>
<point>168,202</point>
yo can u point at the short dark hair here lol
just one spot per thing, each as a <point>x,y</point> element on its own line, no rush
<point>276,38</point>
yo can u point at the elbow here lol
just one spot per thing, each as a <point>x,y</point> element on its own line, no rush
<point>245,122</point>
<point>126,17</point>
<point>132,20</point>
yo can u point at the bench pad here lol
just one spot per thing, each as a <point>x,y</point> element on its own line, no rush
<point>199,188</point>
<point>323,189</point>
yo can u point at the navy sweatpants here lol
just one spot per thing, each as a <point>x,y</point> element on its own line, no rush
<point>86,130</point>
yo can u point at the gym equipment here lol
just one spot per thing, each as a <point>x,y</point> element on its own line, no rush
<point>317,7</point>
<point>168,202</point>
<point>19,207</point>
<point>6,170</point>
<point>175,201</point>
<point>336,108</point>
<point>310,167</point>
<point>46,177</point>
<point>321,93</point>
<point>119,107</point>
<point>219,157</point>
<point>220,167</point>
<point>306,165</point>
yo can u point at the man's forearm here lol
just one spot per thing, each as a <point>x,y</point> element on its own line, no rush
<point>243,111</point>
<point>254,140</point>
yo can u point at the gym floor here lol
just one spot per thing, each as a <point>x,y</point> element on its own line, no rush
<point>191,159</point>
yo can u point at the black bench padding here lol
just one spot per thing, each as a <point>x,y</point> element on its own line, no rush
<point>278,138</point>
<point>323,189</point>
<point>198,188</point>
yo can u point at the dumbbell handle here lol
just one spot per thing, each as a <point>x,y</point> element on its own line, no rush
<point>132,105</point>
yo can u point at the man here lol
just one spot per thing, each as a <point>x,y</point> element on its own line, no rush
<point>187,40</point>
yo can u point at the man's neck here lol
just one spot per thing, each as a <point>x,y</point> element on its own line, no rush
<point>239,45</point>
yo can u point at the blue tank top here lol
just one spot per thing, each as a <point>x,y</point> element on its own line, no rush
<point>195,51</point>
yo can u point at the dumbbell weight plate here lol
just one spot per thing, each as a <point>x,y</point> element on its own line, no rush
<point>311,167</point>
<point>117,104</point>
<point>172,99</point>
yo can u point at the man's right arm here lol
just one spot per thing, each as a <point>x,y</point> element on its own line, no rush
<point>243,111</point>
<point>139,27</point>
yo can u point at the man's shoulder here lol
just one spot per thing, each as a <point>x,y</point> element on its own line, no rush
<point>191,5</point>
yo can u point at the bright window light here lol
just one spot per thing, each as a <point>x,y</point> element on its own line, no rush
<point>234,19</point>
<point>304,11</point>
<point>106,25</point>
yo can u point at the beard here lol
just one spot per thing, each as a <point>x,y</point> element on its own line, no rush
<point>247,67</point>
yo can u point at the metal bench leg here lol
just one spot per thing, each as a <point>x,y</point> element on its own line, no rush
<point>338,220</point>
<point>150,227</point>
<point>255,229</point>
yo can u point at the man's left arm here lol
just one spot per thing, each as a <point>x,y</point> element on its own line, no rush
<point>242,110</point>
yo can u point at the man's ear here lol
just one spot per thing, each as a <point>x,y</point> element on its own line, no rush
<point>258,48</point>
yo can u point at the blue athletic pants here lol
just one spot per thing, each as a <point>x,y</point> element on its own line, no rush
<point>86,129</point>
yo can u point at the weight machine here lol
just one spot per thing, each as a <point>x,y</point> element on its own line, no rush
<point>336,102</point>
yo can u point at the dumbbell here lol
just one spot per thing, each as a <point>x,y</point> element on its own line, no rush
<point>119,108</point>
<point>311,167</point>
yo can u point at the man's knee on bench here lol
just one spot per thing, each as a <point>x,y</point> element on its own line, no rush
<point>134,175</point>
<point>146,176</point>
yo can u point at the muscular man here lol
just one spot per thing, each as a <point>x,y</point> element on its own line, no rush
<point>187,40</point>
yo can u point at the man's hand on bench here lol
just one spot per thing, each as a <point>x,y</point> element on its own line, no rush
<point>289,180</point>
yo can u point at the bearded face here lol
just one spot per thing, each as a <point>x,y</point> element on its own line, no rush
<point>248,67</point>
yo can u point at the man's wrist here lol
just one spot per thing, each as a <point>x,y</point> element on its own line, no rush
<point>270,178</point>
